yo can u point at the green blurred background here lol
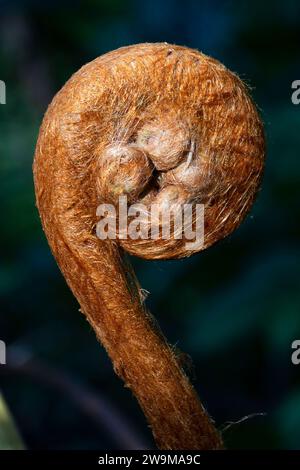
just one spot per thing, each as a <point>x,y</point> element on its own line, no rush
<point>233,308</point>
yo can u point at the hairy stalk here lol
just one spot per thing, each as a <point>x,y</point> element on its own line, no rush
<point>158,124</point>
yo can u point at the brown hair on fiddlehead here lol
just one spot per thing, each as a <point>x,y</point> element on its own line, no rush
<point>160,125</point>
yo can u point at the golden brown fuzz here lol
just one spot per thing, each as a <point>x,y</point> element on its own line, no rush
<point>160,124</point>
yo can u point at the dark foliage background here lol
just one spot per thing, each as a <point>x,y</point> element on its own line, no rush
<point>233,308</point>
